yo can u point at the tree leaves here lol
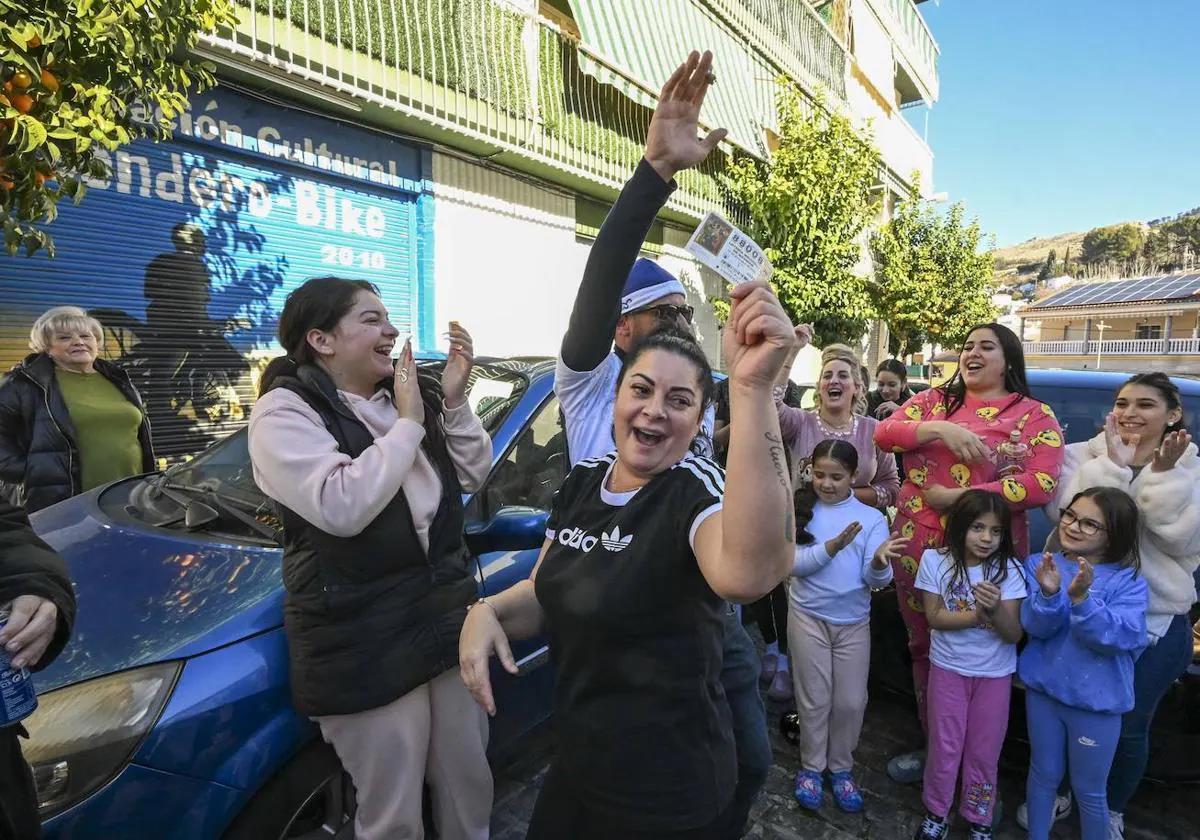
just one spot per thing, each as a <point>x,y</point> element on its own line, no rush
<point>932,280</point>
<point>85,60</point>
<point>808,206</point>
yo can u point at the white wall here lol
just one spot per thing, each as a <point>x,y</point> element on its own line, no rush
<point>507,263</point>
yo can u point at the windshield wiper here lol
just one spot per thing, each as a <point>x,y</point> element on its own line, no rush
<point>215,501</point>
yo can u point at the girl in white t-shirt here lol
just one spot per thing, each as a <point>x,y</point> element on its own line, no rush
<point>843,553</point>
<point>971,590</point>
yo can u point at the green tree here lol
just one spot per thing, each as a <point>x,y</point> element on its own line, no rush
<point>933,282</point>
<point>1048,266</point>
<point>73,72</point>
<point>1112,245</point>
<point>807,207</point>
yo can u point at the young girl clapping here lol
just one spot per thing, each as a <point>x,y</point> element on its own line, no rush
<point>1086,620</point>
<point>843,553</point>
<point>971,591</point>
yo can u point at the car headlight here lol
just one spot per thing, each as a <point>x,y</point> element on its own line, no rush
<point>83,735</point>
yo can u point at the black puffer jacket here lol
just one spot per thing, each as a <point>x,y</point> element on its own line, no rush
<point>371,617</point>
<point>39,450</point>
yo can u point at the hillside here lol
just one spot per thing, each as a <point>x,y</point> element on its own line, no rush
<point>1027,257</point>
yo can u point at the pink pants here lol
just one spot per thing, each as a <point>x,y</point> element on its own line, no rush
<point>968,717</point>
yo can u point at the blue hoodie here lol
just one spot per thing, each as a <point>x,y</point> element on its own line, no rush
<point>1083,655</point>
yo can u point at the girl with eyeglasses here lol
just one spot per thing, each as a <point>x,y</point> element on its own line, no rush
<point>1086,621</point>
<point>1146,451</point>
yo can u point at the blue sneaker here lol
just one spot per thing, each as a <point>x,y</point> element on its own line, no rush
<point>810,790</point>
<point>846,793</point>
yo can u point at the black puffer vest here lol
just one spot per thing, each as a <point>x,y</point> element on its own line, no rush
<point>39,453</point>
<point>371,617</point>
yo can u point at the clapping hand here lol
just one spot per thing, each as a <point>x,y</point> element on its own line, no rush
<point>1082,584</point>
<point>889,550</point>
<point>406,393</point>
<point>458,366</point>
<point>987,596</point>
<point>843,539</point>
<point>804,335</point>
<point>1120,450</point>
<point>672,143</point>
<point>1048,577</point>
<point>1174,444</point>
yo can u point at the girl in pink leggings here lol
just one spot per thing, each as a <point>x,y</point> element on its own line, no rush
<point>971,590</point>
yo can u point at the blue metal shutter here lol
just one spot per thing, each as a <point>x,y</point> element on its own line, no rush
<point>186,257</point>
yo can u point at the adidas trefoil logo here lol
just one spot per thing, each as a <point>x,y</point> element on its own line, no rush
<point>614,541</point>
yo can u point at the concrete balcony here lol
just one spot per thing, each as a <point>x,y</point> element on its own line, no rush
<point>916,50</point>
<point>904,151</point>
<point>1169,355</point>
<point>485,76</point>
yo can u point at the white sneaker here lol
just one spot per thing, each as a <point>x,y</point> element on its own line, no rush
<point>1062,810</point>
<point>1116,826</point>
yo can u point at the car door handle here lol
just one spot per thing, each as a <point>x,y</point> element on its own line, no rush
<point>533,661</point>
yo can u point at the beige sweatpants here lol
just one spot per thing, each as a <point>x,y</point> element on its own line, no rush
<point>830,665</point>
<point>435,732</point>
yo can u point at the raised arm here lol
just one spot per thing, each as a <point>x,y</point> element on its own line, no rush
<point>671,146</point>
<point>747,559</point>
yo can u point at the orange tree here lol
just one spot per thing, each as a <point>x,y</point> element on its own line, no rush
<point>79,76</point>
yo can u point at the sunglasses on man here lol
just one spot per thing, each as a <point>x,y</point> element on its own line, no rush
<point>668,312</point>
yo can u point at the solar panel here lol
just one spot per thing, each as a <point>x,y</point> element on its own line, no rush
<point>1162,287</point>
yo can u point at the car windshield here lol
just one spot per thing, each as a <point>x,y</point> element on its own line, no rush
<point>224,468</point>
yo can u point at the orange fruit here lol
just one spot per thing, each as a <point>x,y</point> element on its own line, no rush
<point>23,102</point>
<point>33,43</point>
<point>21,79</point>
<point>49,81</point>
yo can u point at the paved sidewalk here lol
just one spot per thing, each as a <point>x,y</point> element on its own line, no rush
<point>892,811</point>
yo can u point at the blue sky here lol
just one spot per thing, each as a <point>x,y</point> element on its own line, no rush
<point>1061,115</point>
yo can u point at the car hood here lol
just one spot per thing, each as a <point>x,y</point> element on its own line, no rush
<point>150,594</point>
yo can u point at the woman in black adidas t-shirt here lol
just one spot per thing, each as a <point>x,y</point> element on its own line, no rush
<point>629,589</point>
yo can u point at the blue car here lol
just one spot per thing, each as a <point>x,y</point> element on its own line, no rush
<point>169,714</point>
<point>1081,400</point>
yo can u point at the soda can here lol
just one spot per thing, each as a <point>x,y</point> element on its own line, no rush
<point>17,696</point>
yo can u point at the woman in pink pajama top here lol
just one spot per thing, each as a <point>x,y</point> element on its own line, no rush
<point>980,430</point>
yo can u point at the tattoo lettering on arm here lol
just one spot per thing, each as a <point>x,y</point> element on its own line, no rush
<point>781,474</point>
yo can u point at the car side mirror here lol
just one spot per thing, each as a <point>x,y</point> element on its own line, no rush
<point>510,529</point>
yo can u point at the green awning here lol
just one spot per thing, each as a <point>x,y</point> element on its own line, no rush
<point>648,40</point>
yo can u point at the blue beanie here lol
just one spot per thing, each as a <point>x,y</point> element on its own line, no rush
<point>647,282</point>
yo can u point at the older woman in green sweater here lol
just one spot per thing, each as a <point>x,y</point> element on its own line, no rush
<point>69,421</point>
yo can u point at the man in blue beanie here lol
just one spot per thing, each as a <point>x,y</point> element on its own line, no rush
<point>620,300</point>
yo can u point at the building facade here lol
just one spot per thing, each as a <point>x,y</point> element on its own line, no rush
<point>461,154</point>
<point>1149,323</point>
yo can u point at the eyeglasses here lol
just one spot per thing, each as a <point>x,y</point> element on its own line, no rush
<point>668,312</point>
<point>1088,527</point>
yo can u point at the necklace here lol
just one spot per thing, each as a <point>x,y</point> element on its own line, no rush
<point>842,431</point>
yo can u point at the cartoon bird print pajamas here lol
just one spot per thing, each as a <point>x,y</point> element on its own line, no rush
<point>933,463</point>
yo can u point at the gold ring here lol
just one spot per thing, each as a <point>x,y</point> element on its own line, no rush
<point>710,77</point>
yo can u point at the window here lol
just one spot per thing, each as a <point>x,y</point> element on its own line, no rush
<point>534,468</point>
<point>1151,331</point>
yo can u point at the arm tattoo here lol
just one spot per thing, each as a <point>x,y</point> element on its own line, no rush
<point>781,474</point>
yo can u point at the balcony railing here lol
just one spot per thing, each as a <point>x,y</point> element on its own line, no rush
<point>507,80</point>
<point>793,36</point>
<point>916,42</point>
<point>1115,347</point>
